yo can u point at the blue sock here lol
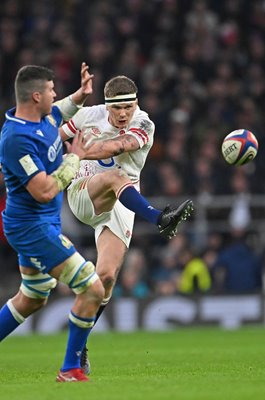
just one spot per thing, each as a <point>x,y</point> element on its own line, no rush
<point>76,341</point>
<point>8,323</point>
<point>135,202</point>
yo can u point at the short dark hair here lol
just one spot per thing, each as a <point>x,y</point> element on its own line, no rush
<point>119,85</point>
<point>29,79</point>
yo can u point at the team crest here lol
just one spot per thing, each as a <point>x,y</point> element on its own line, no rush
<point>51,120</point>
<point>65,241</point>
<point>95,131</point>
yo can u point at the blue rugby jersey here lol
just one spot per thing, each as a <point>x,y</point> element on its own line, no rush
<point>27,148</point>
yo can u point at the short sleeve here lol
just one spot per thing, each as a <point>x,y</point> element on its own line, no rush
<point>142,129</point>
<point>23,159</point>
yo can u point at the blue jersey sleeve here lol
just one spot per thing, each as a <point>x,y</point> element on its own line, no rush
<point>56,113</point>
<point>22,158</point>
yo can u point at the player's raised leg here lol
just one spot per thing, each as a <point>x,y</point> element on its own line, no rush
<point>105,188</point>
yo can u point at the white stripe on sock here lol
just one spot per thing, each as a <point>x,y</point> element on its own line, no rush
<point>18,317</point>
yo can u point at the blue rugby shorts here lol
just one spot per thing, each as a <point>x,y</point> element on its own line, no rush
<point>40,246</point>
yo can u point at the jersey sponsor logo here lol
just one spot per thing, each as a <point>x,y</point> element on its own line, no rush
<point>28,165</point>
<point>51,154</point>
<point>54,149</point>
<point>51,120</point>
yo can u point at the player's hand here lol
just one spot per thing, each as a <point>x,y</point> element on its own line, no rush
<point>77,146</point>
<point>86,80</point>
<point>86,88</point>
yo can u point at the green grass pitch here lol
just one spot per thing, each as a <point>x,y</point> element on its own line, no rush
<point>187,364</point>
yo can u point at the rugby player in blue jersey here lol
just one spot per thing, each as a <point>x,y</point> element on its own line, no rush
<point>35,175</point>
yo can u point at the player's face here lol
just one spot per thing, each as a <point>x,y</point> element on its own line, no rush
<point>47,97</point>
<point>121,114</point>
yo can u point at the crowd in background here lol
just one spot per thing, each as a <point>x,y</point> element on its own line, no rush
<point>200,69</point>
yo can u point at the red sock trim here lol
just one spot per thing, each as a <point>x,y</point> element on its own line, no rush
<point>121,189</point>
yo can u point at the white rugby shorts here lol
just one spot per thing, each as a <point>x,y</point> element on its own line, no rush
<point>119,220</point>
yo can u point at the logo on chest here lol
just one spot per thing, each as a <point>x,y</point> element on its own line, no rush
<point>93,130</point>
<point>54,149</point>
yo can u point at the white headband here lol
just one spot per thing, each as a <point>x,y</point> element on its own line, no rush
<point>121,98</point>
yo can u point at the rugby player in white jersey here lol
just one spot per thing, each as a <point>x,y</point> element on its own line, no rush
<point>105,192</point>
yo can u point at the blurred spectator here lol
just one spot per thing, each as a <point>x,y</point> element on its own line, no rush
<point>240,216</point>
<point>132,280</point>
<point>195,276</point>
<point>165,273</point>
<point>238,269</point>
<point>166,267</point>
<point>171,183</point>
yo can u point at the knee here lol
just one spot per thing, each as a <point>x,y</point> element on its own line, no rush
<point>115,178</point>
<point>108,279</point>
<point>98,291</point>
<point>95,293</point>
<point>26,305</point>
<point>37,304</point>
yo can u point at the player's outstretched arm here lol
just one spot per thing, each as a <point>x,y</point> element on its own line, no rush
<point>102,149</point>
<point>71,104</point>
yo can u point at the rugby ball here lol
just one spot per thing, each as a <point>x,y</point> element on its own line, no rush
<point>239,147</point>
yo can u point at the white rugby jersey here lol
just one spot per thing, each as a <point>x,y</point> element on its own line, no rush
<point>94,120</point>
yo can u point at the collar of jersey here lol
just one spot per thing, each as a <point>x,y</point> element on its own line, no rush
<point>10,115</point>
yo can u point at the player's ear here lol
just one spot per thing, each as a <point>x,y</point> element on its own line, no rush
<point>36,97</point>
